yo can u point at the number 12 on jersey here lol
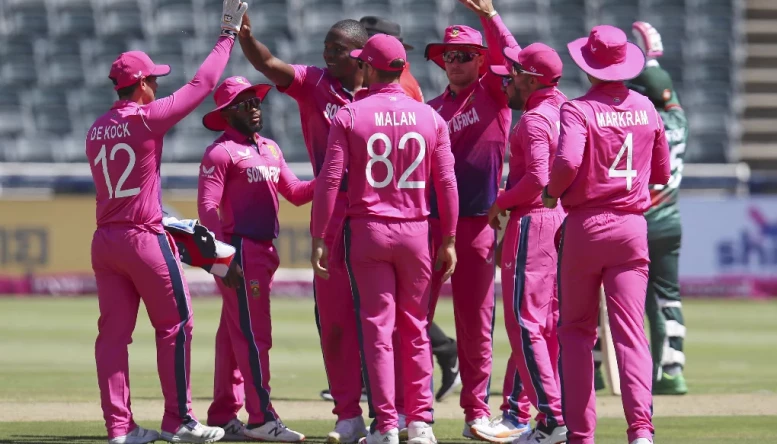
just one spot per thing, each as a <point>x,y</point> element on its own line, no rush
<point>103,159</point>
<point>628,173</point>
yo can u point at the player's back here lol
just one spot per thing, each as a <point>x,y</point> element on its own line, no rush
<point>622,130</point>
<point>124,156</point>
<point>391,153</point>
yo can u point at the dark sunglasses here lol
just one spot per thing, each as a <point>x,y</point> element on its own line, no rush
<point>460,56</point>
<point>246,105</point>
<point>506,81</point>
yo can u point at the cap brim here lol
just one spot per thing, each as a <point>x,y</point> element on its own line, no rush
<point>511,53</point>
<point>633,64</point>
<point>500,70</point>
<point>355,53</point>
<point>160,70</point>
<point>434,52</point>
<point>214,121</point>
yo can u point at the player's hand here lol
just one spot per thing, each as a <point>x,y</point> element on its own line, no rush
<point>234,276</point>
<point>319,258</point>
<point>493,216</point>
<point>547,200</point>
<point>232,15</point>
<point>482,8</point>
<point>245,28</point>
<point>446,256</point>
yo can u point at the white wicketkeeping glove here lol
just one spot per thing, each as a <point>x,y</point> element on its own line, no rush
<point>232,17</point>
<point>648,39</point>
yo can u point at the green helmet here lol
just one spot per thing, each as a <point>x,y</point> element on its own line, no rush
<point>656,84</point>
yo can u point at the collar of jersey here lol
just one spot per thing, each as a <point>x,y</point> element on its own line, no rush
<point>385,88</point>
<point>610,88</point>
<point>463,93</point>
<point>238,137</point>
<point>539,96</point>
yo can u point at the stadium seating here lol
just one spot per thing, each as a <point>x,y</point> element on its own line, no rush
<point>55,56</point>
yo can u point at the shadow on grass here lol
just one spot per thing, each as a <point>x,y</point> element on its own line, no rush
<point>50,439</point>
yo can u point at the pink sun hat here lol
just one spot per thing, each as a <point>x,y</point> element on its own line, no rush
<point>607,55</point>
<point>537,59</point>
<point>224,96</point>
<point>380,51</point>
<point>457,35</point>
<point>129,67</point>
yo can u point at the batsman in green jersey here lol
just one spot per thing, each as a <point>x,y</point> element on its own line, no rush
<point>663,306</point>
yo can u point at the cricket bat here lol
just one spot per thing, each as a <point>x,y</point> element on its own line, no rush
<point>609,361</point>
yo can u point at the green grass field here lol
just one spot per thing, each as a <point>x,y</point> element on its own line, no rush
<point>46,358</point>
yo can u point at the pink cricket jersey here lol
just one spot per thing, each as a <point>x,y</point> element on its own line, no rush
<point>393,147</point>
<point>533,144</point>
<point>124,147</point>
<point>240,178</point>
<point>612,145</point>
<point>479,122</point>
<point>319,97</point>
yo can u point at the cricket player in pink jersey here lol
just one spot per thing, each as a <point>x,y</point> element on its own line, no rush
<point>132,256</point>
<point>612,146</point>
<point>529,255</point>
<point>392,147</point>
<point>320,93</point>
<point>475,108</point>
<point>241,176</point>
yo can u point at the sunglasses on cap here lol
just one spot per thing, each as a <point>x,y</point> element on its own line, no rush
<point>519,69</point>
<point>246,105</point>
<point>460,56</point>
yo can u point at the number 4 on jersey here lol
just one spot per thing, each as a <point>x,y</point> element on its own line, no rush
<point>628,173</point>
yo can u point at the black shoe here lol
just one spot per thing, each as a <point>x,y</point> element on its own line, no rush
<point>450,378</point>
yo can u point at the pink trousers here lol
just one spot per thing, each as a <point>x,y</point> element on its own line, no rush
<point>529,262</point>
<point>131,264</point>
<point>609,248</point>
<point>244,338</point>
<point>390,267</point>
<point>336,322</point>
<point>473,308</point>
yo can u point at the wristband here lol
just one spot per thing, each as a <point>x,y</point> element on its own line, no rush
<point>229,33</point>
<point>492,14</point>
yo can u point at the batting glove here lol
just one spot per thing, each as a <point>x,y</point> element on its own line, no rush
<point>232,16</point>
<point>648,39</point>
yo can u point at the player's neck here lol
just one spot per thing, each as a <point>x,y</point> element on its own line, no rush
<point>457,89</point>
<point>352,84</point>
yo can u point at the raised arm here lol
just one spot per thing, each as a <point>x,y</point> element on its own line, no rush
<point>498,37</point>
<point>210,188</point>
<point>660,165</point>
<point>331,174</point>
<point>571,146</point>
<point>275,69</point>
<point>296,191</point>
<point>163,114</point>
<point>535,139</point>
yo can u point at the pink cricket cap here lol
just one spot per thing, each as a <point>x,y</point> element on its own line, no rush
<point>129,67</point>
<point>380,51</point>
<point>607,55</point>
<point>537,59</point>
<point>456,35</point>
<point>224,96</point>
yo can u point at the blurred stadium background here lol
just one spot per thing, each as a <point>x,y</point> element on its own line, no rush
<point>55,56</point>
